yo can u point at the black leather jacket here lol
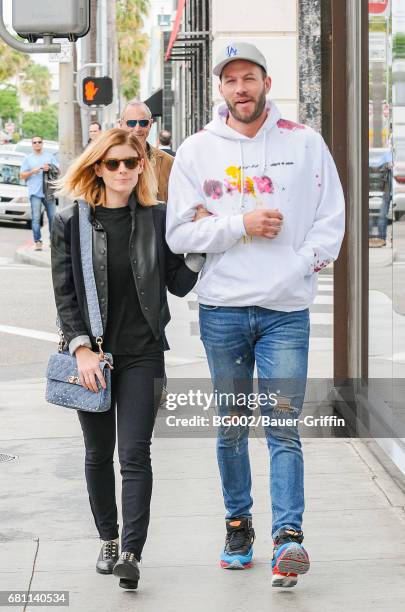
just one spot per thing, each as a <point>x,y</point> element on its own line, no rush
<point>154,267</point>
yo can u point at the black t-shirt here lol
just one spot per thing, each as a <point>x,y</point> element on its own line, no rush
<point>127,332</point>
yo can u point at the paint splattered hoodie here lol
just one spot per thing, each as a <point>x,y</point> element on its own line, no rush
<point>286,166</point>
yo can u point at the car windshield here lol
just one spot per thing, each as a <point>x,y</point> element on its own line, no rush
<point>10,173</point>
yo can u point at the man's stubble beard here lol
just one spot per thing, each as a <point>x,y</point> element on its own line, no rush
<point>259,108</point>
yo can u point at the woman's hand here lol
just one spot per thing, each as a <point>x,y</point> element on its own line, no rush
<point>201,212</point>
<point>88,365</point>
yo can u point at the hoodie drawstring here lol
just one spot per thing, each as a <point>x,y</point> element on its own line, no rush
<point>242,177</point>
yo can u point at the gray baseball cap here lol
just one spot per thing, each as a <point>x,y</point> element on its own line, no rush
<point>239,51</point>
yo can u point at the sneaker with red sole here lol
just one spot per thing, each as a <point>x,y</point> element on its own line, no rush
<point>238,551</point>
<point>289,558</point>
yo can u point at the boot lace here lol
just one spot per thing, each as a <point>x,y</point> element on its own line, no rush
<point>128,556</point>
<point>237,537</point>
<point>110,550</point>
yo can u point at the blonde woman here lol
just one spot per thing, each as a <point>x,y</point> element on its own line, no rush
<point>133,266</point>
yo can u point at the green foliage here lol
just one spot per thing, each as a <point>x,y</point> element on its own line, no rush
<point>37,84</point>
<point>132,43</point>
<point>43,123</point>
<point>9,103</point>
<point>398,45</point>
<point>11,62</point>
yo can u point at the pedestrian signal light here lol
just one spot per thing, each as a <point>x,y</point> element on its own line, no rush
<point>97,91</point>
<point>35,19</point>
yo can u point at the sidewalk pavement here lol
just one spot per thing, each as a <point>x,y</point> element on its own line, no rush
<point>26,253</point>
<point>354,520</point>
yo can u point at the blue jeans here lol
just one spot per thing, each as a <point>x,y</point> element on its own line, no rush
<point>234,339</point>
<point>36,208</point>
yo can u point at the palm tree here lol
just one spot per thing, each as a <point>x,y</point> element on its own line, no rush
<point>132,43</point>
<point>37,84</point>
<point>11,62</point>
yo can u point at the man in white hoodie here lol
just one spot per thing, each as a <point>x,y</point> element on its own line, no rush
<point>260,195</point>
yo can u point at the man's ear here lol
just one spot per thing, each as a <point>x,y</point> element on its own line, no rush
<point>267,82</point>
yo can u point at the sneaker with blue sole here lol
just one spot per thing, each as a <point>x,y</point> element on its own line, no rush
<point>238,550</point>
<point>290,559</point>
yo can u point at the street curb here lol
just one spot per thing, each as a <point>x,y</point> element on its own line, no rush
<point>26,254</point>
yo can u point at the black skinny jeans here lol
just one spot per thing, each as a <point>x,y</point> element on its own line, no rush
<point>135,394</point>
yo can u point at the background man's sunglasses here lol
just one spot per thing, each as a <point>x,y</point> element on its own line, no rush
<point>37,142</point>
<point>113,164</point>
<point>131,123</point>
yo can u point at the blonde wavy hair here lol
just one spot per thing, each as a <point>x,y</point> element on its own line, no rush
<point>81,181</point>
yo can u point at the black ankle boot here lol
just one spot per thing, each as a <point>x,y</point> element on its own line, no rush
<point>128,571</point>
<point>107,558</point>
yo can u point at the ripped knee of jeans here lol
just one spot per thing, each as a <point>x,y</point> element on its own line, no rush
<point>285,405</point>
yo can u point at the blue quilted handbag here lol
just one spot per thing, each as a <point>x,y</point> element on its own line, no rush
<point>63,387</point>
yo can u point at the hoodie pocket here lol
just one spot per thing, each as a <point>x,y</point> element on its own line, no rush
<point>263,274</point>
<point>291,286</point>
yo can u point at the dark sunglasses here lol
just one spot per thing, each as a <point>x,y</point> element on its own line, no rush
<point>113,164</point>
<point>131,123</point>
<point>37,142</point>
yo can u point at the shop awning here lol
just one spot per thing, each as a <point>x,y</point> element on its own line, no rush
<point>176,27</point>
<point>155,103</point>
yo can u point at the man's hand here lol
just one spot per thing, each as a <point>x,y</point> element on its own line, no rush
<point>45,167</point>
<point>201,212</point>
<point>266,223</point>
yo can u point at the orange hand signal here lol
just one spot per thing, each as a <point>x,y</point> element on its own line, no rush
<point>90,91</point>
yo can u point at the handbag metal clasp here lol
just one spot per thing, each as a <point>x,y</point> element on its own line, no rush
<point>99,342</point>
<point>74,380</point>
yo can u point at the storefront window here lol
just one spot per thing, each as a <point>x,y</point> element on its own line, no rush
<point>381,205</point>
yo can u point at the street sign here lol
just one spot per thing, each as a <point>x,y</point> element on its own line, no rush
<point>65,55</point>
<point>378,7</point>
<point>377,47</point>
<point>97,91</point>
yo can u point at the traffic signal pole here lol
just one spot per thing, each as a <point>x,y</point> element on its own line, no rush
<point>66,120</point>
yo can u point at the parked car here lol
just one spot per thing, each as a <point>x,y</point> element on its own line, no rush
<point>399,178</point>
<point>8,146</point>
<point>14,202</point>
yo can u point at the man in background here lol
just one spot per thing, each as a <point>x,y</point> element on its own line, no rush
<point>32,171</point>
<point>94,131</point>
<point>137,117</point>
<point>165,142</point>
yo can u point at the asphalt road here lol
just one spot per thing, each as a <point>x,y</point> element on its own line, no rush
<point>26,303</point>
